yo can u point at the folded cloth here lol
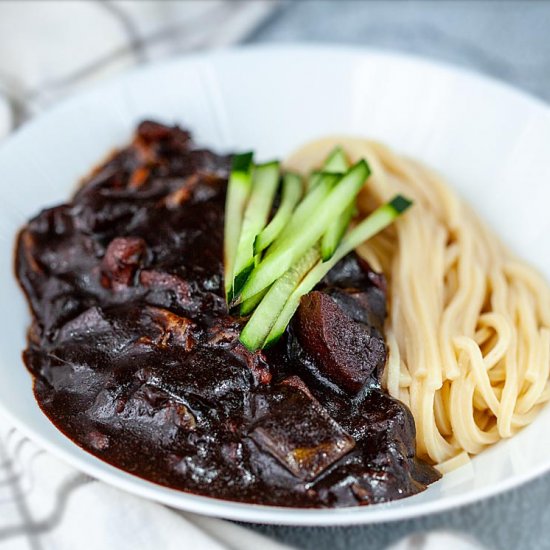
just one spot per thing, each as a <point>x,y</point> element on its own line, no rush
<point>45,504</point>
<point>49,49</point>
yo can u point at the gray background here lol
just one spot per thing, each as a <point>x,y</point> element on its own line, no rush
<point>510,41</point>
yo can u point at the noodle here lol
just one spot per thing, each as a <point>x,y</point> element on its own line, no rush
<point>468,324</point>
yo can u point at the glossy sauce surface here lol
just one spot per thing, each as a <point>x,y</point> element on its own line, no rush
<point>135,357</point>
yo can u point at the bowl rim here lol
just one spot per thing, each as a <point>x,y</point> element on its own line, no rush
<point>210,506</point>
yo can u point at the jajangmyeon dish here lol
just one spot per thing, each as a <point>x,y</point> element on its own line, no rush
<point>335,330</point>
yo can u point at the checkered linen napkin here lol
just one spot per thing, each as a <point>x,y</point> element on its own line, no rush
<point>46,504</point>
<point>49,49</point>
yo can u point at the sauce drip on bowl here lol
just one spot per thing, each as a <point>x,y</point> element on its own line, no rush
<point>136,359</point>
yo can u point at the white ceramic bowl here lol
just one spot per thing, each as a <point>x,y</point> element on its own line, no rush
<point>490,141</point>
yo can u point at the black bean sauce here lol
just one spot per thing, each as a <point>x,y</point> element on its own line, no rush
<point>136,359</point>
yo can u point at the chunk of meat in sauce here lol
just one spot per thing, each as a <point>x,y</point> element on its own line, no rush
<point>347,352</point>
<point>121,260</point>
<point>299,433</point>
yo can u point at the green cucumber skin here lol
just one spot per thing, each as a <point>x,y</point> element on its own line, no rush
<point>285,250</point>
<point>242,162</point>
<point>260,324</point>
<point>238,190</point>
<point>248,306</point>
<point>292,192</point>
<point>400,203</point>
<point>240,279</point>
<point>370,226</point>
<point>265,180</point>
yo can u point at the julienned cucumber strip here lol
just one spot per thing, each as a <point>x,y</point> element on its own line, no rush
<point>336,230</point>
<point>336,161</point>
<point>249,305</point>
<point>378,220</point>
<point>287,250</point>
<point>265,179</point>
<point>292,191</point>
<point>299,218</point>
<point>312,180</point>
<point>265,315</point>
<point>238,189</point>
<point>307,206</point>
